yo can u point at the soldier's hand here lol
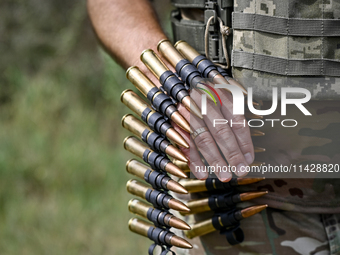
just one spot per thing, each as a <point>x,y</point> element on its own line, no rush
<point>234,142</point>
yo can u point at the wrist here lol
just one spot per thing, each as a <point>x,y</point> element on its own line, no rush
<point>132,57</point>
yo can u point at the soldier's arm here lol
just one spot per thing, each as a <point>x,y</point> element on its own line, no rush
<point>122,26</point>
<point>126,28</point>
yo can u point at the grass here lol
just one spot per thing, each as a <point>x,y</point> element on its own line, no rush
<point>62,174</point>
<point>62,164</point>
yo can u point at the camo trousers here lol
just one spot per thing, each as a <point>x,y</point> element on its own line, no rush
<point>276,232</point>
<point>304,214</point>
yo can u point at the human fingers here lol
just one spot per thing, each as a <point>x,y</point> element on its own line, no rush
<point>224,136</point>
<point>238,124</point>
<point>208,148</point>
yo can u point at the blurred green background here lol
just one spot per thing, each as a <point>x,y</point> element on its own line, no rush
<point>62,164</point>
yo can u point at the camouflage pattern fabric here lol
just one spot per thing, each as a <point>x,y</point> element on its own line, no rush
<point>275,232</point>
<point>263,83</point>
<point>287,47</point>
<point>304,213</point>
<point>316,139</point>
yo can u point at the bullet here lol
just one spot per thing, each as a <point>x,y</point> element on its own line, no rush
<point>154,140</point>
<point>154,159</point>
<point>211,184</point>
<point>191,106</point>
<point>181,165</point>
<point>250,115</point>
<point>255,132</point>
<point>207,68</point>
<point>155,179</point>
<point>181,122</point>
<point>187,71</point>
<point>259,149</point>
<point>154,119</point>
<point>170,83</point>
<point>158,217</point>
<point>257,163</point>
<point>250,211</point>
<point>157,198</point>
<point>169,52</point>
<point>174,136</point>
<point>157,235</point>
<point>247,181</point>
<point>227,219</point>
<point>158,99</point>
<point>233,82</point>
<point>221,201</point>
<point>175,153</point>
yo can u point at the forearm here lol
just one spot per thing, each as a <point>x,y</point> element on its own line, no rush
<point>125,28</point>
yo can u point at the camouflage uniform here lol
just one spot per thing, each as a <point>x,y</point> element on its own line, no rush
<point>276,232</point>
<point>304,214</point>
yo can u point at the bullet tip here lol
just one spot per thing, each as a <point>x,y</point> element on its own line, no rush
<point>255,132</point>
<point>180,121</point>
<point>176,187</point>
<point>246,181</point>
<point>250,211</point>
<point>192,106</point>
<point>179,224</point>
<point>175,153</point>
<point>252,195</point>
<point>259,149</point>
<point>174,136</point>
<point>180,242</point>
<point>178,205</point>
<point>257,163</point>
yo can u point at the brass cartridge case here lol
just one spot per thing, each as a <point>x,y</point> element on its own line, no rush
<point>141,82</point>
<point>134,125</point>
<point>153,63</point>
<point>139,226</point>
<point>134,102</point>
<point>135,146</point>
<point>136,168</point>
<point>138,207</point>
<point>169,52</point>
<point>137,188</point>
<point>186,50</point>
<point>199,205</point>
<point>190,53</point>
<point>200,229</point>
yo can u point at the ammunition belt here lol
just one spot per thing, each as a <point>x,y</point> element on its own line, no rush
<point>155,160</point>
<point>165,251</point>
<point>172,84</point>
<point>156,179</point>
<point>154,140</point>
<point>223,197</point>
